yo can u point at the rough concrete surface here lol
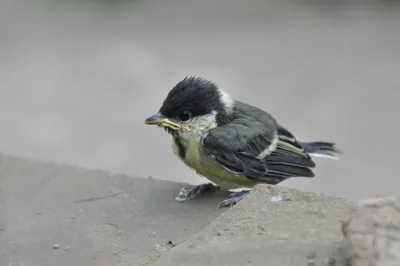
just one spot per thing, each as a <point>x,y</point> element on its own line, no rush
<point>372,232</point>
<point>61,215</point>
<point>302,229</point>
<point>258,231</point>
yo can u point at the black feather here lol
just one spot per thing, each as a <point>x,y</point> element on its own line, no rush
<point>193,94</point>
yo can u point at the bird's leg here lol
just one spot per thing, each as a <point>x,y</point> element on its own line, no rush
<point>233,198</point>
<point>186,194</point>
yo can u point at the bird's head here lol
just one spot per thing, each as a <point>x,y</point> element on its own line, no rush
<point>193,105</point>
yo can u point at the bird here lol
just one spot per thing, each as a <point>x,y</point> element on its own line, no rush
<point>233,144</point>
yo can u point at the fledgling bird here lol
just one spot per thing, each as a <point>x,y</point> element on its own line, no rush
<point>231,143</point>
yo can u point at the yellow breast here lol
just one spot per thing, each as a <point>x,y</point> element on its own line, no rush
<point>208,167</point>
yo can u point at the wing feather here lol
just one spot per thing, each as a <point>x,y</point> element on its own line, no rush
<point>259,150</point>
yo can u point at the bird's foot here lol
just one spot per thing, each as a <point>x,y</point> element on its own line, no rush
<point>186,194</point>
<point>233,198</point>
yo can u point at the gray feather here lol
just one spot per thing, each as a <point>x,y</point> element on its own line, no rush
<point>238,144</point>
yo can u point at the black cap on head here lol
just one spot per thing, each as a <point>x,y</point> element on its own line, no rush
<point>191,97</point>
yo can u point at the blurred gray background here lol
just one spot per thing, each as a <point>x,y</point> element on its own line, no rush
<point>77,79</point>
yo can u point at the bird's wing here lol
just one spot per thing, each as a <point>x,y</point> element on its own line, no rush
<point>264,152</point>
<point>288,145</point>
<point>237,145</point>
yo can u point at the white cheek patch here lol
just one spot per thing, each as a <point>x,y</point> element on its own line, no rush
<point>194,129</point>
<point>203,123</point>
<point>207,121</point>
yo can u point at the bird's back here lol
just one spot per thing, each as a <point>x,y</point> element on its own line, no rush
<point>244,110</point>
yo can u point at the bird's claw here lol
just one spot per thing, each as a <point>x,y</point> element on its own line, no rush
<point>186,194</point>
<point>233,198</point>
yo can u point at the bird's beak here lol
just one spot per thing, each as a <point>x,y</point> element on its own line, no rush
<point>161,120</point>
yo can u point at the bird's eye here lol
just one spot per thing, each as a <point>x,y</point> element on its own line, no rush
<point>185,115</point>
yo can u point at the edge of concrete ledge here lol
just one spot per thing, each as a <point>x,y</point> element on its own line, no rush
<point>90,216</point>
<point>274,224</point>
<point>280,226</point>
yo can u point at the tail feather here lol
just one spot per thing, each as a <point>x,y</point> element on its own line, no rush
<point>321,149</point>
<point>282,166</point>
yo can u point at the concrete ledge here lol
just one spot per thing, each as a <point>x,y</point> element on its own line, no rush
<point>63,215</point>
<point>258,231</point>
<point>301,229</point>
